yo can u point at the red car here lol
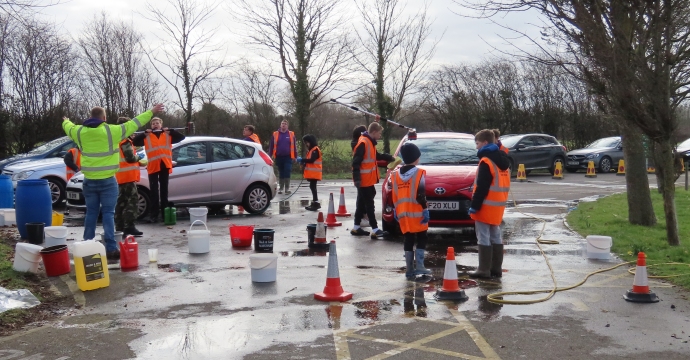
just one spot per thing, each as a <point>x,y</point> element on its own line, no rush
<point>450,161</point>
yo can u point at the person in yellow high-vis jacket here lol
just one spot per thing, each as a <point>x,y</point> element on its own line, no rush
<point>100,161</point>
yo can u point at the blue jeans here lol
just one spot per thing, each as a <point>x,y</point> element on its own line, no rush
<point>101,196</point>
<point>487,234</point>
<point>284,164</point>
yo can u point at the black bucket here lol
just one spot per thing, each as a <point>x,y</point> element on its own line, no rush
<point>311,233</point>
<point>34,233</point>
<point>263,240</point>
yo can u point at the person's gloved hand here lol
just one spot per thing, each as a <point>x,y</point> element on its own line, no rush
<point>471,211</point>
<point>140,156</point>
<point>425,216</point>
<point>299,159</point>
<point>395,163</point>
<point>358,184</point>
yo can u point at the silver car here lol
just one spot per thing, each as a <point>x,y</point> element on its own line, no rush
<point>605,153</point>
<point>52,169</point>
<point>207,171</point>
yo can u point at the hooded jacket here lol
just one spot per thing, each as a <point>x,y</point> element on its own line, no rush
<point>484,177</point>
<point>406,173</point>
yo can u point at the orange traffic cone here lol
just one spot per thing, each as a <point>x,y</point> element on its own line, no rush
<point>333,291</point>
<point>640,292</point>
<point>331,220</point>
<point>320,234</point>
<point>342,211</point>
<point>451,288</point>
<point>591,173</point>
<point>621,168</point>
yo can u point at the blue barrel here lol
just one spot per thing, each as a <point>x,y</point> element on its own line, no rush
<point>33,204</point>
<point>6,192</point>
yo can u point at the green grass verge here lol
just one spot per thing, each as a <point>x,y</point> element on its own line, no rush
<point>609,216</point>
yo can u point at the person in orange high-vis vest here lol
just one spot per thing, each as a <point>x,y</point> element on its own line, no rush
<point>313,168</point>
<point>157,142</point>
<point>497,135</point>
<point>126,209</point>
<point>283,148</point>
<point>491,189</point>
<point>365,175</point>
<point>409,198</point>
<point>72,162</point>
<point>249,135</point>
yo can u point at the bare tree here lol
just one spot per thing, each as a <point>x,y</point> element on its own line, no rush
<point>636,56</point>
<point>18,9</point>
<point>311,48</point>
<point>393,53</point>
<point>189,56</point>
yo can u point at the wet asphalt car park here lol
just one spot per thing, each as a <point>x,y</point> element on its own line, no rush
<point>206,306</point>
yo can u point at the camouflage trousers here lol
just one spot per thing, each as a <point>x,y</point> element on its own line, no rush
<point>126,210</point>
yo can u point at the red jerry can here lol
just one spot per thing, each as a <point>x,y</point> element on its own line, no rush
<point>129,253</point>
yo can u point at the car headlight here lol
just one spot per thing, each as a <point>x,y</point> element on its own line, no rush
<point>592,156</point>
<point>22,175</point>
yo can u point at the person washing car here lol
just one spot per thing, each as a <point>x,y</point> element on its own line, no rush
<point>497,135</point>
<point>492,185</point>
<point>126,210</point>
<point>409,199</point>
<point>356,133</point>
<point>365,175</point>
<point>158,144</point>
<point>313,166</point>
<point>283,149</point>
<point>72,162</point>
<point>100,161</point>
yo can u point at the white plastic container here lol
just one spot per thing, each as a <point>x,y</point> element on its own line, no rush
<point>55,235</point>
<point>199,241</point>
<point>10,217</point>
<point>599,247</point>
<point>264,267</point>
<point>26,257</point>
<point>198,214</point>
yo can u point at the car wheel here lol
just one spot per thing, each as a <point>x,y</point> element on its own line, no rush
<point>571,170</point>
<point>257,199</point>
<point>556,160</point>
<point>605,164</point>
<point>57,190</point>
<point>392,228</point>
<point>143,203</point>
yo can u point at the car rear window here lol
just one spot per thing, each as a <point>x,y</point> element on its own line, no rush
<point>446,151</point>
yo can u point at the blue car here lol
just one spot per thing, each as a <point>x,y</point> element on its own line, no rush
<point>605,153</point>
<point>53,149</point>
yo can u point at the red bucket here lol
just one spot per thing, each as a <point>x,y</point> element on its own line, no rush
<point>241,236</point>
<point>56,260</point>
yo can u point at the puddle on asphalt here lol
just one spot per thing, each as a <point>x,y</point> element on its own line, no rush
<point>305,252</point>
<point>177,267</point>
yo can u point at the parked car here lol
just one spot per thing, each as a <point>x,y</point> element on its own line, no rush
<point>208,171</point>
<point>51,169</point>
<point>535,151</point>
<point>53,149</point>
<point>604,152</point>
<point>683,150</point>
<point>450,161</point>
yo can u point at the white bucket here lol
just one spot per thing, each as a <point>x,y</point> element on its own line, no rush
<point>2,217</point>
<point>199,241</point>
<point>198,214</point>
<point>10,217</point>
<point>55,235</point>
<point>264,267</point>
<point>27,257</point>
<point>599,247</point>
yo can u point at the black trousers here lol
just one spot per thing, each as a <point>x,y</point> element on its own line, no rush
<point>365,205</point>
<point>312,187</point>
<point>158,204</point>
<point>410,238</point>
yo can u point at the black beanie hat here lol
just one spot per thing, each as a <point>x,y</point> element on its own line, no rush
<point>410,153</point>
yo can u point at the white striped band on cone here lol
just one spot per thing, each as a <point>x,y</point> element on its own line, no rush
<point>342,210</point>
<point>330,219</point>
<point>333,271</point>
<point>640,283</point>
<point>320,233</point>
<point>450,277</point>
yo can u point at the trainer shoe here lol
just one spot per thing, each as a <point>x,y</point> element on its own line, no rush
<point>132,231</point>
<point>379,234</point>
<point>359,232</point>
<point>113,255</point>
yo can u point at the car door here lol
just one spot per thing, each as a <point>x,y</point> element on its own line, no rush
<point>524,152</point>
<point>232,166</point>
<point>543,152</point>
<point>190,181</point>
<point>617,154</point>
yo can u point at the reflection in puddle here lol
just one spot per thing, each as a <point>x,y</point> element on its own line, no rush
<point>284,207</point>
<point>488,310</point>
<point>370,310</point>
<point>414,303</point>
<point>177,267</point>
<point>334,312</point>
<point>305,252</point>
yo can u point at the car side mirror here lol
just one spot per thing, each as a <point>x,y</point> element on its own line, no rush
<point>520,147</point>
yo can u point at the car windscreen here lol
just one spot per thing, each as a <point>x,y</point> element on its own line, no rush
<point>510,141</point>
<point>49,145</point>
<point>446,151</point>
<point>604,143</point>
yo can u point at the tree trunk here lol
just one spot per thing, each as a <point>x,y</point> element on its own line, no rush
<point>663,156</point>
<point>640,210</point>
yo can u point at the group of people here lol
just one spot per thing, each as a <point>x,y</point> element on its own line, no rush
<point>111,173</point>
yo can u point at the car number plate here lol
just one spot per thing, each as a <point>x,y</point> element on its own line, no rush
<point>444,205</point>
<point>72,195</point>
<point>573,163</point>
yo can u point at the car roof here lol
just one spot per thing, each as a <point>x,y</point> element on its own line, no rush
<point>443,135</point>
<point>532,134</point>
<point>214,138</point>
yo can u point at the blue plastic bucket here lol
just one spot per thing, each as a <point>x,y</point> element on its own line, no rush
<point>33,204</point>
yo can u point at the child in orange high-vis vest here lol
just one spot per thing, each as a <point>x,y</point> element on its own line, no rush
<point>491,188</point>
<point>313,167</point>
<point>409,198</point>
